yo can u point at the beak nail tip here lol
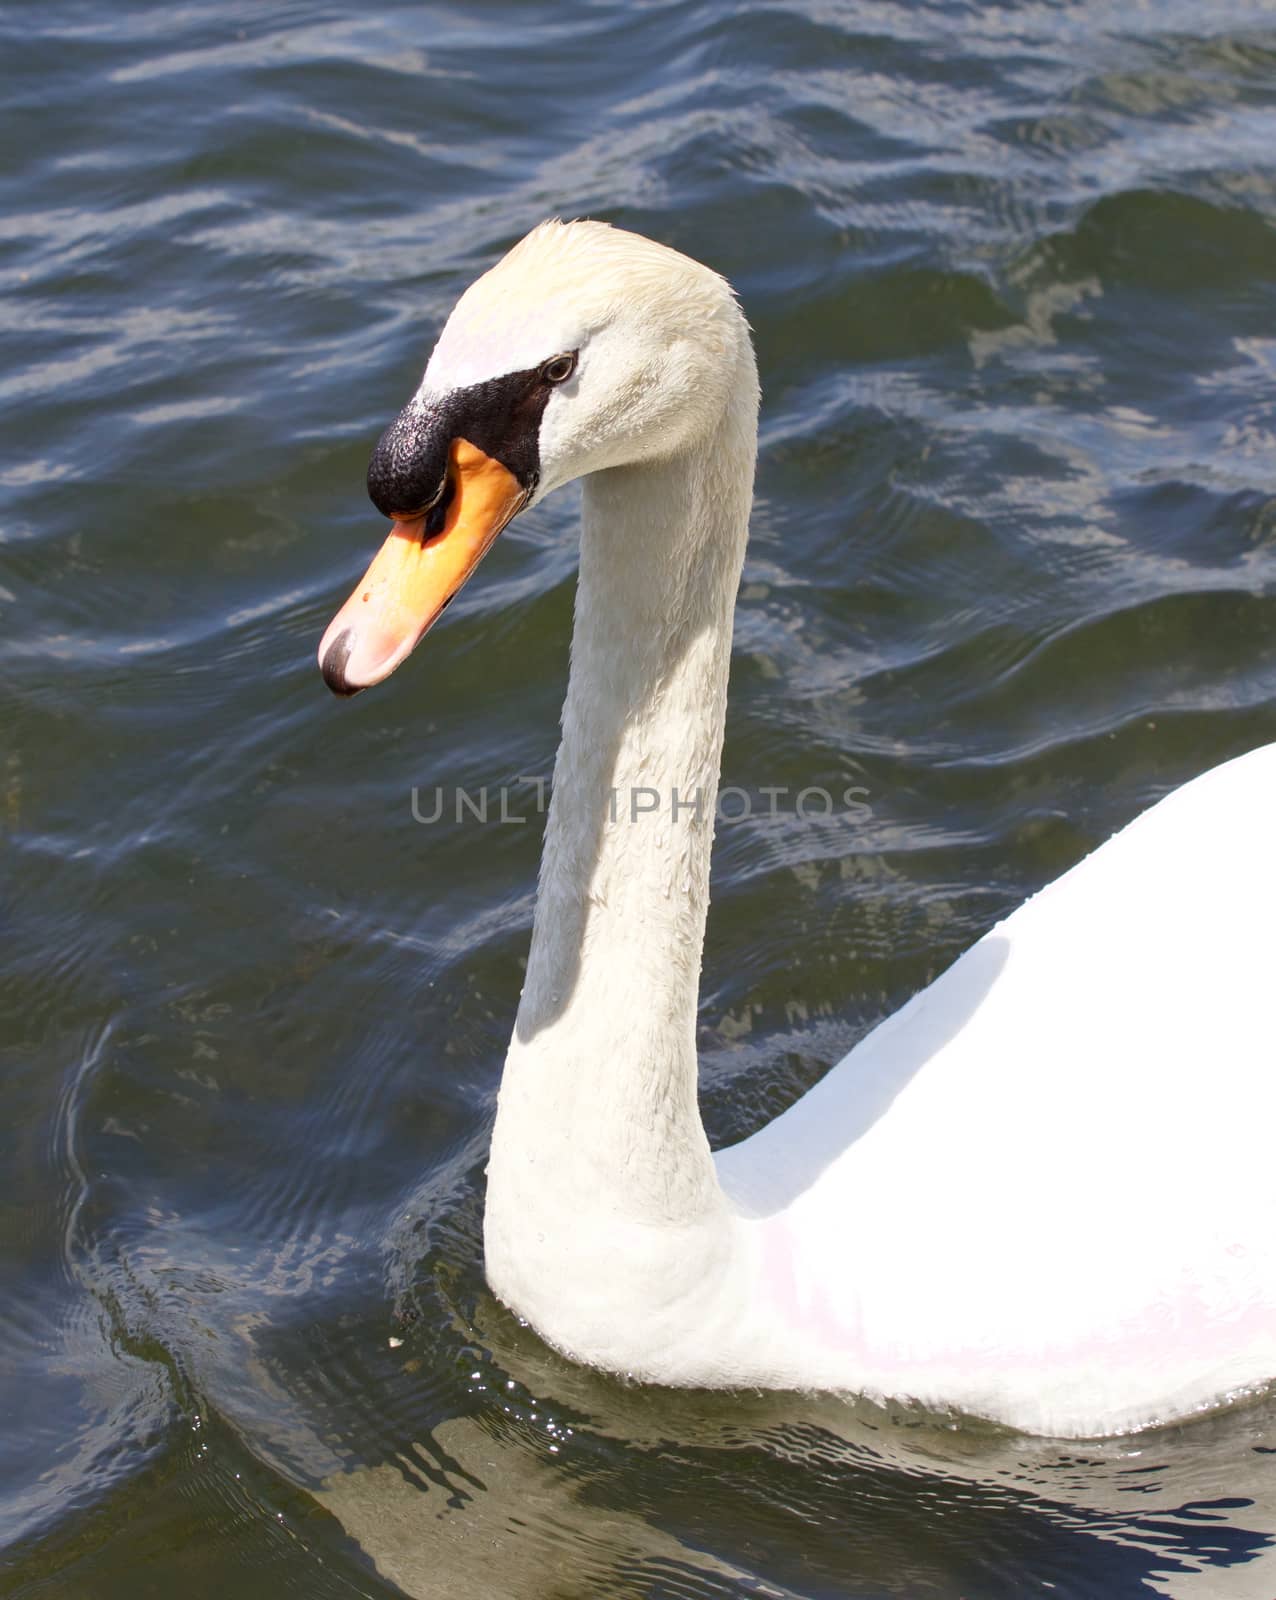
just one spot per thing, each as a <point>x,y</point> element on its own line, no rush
<point>334,664</point>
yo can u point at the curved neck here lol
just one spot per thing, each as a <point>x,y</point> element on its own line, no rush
<point>598,1102</point>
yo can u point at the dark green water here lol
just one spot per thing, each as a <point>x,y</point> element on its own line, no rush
<point>1012,272</point>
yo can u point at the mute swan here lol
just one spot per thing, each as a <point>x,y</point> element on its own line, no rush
<point>1042,1193</point>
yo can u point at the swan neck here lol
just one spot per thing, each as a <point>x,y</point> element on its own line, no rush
<point>599,1094</point>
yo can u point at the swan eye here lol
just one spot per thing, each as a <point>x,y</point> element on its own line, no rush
<point>559,368</point>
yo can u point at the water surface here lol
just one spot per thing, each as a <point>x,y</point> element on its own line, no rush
<point>1012,574</point>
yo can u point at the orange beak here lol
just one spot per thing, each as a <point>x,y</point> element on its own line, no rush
<point>413,577</point>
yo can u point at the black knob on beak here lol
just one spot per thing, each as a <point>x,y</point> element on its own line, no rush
<point>409,464</point>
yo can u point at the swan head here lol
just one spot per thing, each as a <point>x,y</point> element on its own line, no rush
<point>584,349</point>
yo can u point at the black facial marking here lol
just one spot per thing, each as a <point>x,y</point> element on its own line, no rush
<point>501,416</point>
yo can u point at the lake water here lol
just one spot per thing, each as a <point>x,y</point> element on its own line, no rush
<point>1012,575</point>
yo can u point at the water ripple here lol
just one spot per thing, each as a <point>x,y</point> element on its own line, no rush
<point>1012,573</point>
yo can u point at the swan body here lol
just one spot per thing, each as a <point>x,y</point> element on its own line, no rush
<point>1041,1192</point>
